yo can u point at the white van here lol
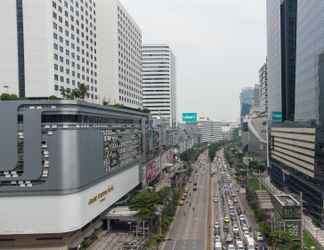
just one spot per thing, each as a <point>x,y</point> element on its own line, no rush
<point>218,245</point>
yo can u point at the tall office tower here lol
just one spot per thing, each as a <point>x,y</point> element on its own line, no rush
<point>47,46</point>
<point>310,44</point>
<point>263,81</point>
<point>119,41</point>
<point>246,100</point>
<point>159,82</point>
<point>297,145</point>
<point>281,26</point>
<point>274,56</point>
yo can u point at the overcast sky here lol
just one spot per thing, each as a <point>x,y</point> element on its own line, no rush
<point>219,45</point>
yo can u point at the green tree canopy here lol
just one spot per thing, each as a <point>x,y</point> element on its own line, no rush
<point>8,97</point>
<point>145,203</point>
<point>79,93</point>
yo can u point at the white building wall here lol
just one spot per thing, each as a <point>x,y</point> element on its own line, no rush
<point>119,44</point>
<point>68,43</point>
<point>8,48</point>
<point>159,82</point>
<point>38,48</point>
<point>211,131</point>
<point>74,35</point>
<point>107,50</point>
<point>174,104</point>
<point>63,213</point>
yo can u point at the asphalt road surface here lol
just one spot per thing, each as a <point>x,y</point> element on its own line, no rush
<point>190,228</point>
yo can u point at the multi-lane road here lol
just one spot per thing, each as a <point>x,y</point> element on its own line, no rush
<point>213,215</point>
<point>189,230</point>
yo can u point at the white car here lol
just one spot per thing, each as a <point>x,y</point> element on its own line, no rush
<point>259,236</point>
<point>230,247</point>
<point>217,238</point>
<point>235,229</point>
<point>240,245</point>
<point>218,245</point>
<point>245,228</point>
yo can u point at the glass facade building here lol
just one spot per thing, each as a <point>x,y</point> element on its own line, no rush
<point>295,88</point>
<point>310,44</point>
<point>288,22</point>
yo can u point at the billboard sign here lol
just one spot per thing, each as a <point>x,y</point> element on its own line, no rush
<point>151,171</point>
<point>276,116</point>
<point>189,118</point>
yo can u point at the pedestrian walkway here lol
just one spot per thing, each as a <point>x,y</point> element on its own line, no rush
<point>316,232</point>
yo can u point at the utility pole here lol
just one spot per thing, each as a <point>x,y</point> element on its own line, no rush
<point>301,221</point>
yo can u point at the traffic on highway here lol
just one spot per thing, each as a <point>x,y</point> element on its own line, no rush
<point>211,214</point>
<point>231,228</point>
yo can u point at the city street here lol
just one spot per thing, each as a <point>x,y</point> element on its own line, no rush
<point>234,227</point>
<point>190,228</point>
<point>230,228</point>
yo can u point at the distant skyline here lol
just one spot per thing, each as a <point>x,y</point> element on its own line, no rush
<point>219,45</point>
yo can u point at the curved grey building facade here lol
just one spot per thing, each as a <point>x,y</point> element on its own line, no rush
<point>63,163</point>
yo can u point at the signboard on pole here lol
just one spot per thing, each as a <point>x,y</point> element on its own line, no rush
<point>189,118</point>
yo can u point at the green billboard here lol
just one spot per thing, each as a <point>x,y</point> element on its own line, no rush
<point>189,118</point>
<point>276,116</point>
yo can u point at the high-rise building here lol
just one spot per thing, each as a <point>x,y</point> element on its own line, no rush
<point>159,82</point>
<point>274,56</point>
<point>119,41</point>
<point>263,81</point>
<point>310,44</point>
<point>297,143</point>
<point>246,100</point>
<point>282,23</point>
<point>47,46</point>
<point>257,96</point>
<point>210,131</point>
